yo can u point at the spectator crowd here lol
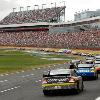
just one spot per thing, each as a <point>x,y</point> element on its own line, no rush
<point>32,16</point>
<point>86,39</point>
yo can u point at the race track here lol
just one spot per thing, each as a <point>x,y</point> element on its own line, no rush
<point>27,86</point>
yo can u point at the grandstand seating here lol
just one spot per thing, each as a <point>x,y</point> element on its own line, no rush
<point>87,39</point>
<point>32,16</point>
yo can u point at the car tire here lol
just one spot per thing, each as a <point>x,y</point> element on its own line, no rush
<point>96,76</point>
<point>45,92</point>
<point>82,86</point>
<point>78,88</point>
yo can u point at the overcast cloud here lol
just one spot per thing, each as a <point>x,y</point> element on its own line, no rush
<point>72,6</point>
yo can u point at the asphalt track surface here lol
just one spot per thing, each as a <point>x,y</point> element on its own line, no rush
<point>27,86</point>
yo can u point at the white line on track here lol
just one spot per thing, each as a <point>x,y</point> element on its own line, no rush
<point>5,90</point>
<point>49,66</point>
<point>31,74</point>
<point>38,81</point>
<point>22,71</point>
<point>10,89</point>
<point>45,71</point>
<point>17,72</point>
<point>98,98</point>
<point>27,75</point>
<point>12,73</point>
<point>15,87</point>
<point>3,81</point>
<point>23,76</point>
<point>6,74</point>
<point>1,91</point>
<point>1,75</point>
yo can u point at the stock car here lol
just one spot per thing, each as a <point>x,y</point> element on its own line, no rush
<point>61,79</point>
<point>87,70</point>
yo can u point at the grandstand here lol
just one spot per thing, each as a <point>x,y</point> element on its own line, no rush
<point>39,15</point>
<point>34,28</point>
<point>39,36</point>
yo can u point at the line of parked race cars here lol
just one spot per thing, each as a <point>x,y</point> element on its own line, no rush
<point>71,78</point>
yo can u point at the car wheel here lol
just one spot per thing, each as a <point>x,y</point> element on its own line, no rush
<point>82,86</point>
<point>96,76</point>
<point>45,92</point>
<point>78,88</point>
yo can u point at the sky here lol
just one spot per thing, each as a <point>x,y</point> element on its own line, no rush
<point>72,6</point>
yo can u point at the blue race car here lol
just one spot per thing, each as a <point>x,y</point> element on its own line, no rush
<point>87,70</point>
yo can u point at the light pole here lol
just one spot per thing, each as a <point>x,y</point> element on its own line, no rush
<point>21,8</point>
<point>36,6</point>
<point>43,5</point>
<point>28,7</point>
<point>55,5</point>
<point>14,9</point>
<point>51,5</point>
<point>64,3</point>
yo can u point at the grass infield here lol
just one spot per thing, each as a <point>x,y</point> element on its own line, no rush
<point>11,60</point>
<point>17,60</point>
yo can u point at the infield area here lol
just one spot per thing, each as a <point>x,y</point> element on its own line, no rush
<point>16,60</point>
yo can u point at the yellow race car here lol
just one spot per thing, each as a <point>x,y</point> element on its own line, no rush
<point>61,79</point>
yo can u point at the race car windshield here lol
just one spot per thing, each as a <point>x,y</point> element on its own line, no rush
<point>60,72</point>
